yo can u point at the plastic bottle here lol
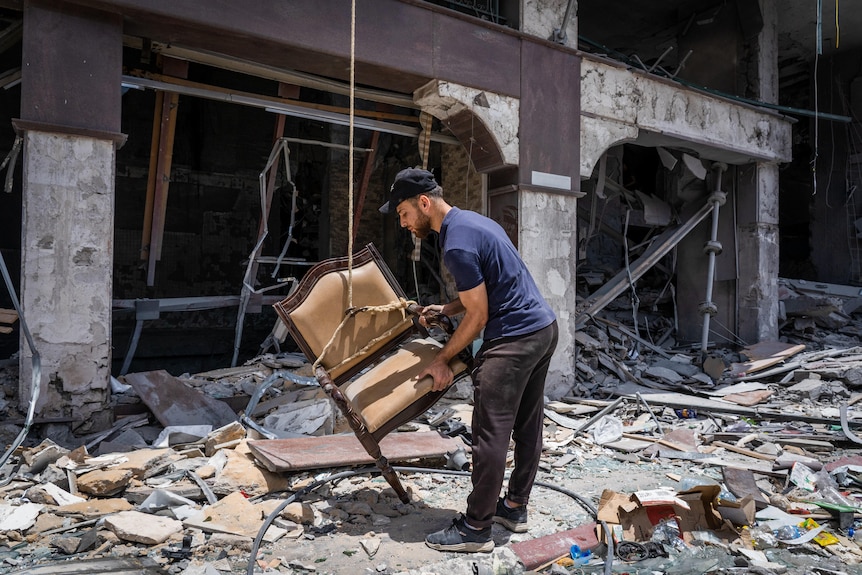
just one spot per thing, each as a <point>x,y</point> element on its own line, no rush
<point>580,556</point>
<point>762,538</point>
<point>787,532</point>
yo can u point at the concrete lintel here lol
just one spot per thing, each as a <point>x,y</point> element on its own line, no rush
<point>498,114</point>
<point>22,126</point>
<point>672,114</point>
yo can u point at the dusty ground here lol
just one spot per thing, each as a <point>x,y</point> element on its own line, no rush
<point>345,550</point>
<point>437,499</point>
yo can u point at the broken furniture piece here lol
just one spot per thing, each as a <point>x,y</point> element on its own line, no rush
<point>351,319</point>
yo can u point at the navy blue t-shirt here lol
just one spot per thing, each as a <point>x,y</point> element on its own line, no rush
<point>476,249</point>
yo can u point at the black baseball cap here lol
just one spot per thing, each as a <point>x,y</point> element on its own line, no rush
<point>408,182</point>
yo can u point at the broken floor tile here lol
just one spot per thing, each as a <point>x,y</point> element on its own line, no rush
<point>18,517</point>
<point>142,527</point>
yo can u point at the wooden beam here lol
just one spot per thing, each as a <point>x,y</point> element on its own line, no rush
<point>363,184</point>
<point>167,129</point>
<point>161,157</point>
<point>147,233</point>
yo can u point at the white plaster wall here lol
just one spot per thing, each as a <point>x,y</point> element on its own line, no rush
<point>547,242</point>
<point>616,95</point>
<point>542,17</point>
<point>500,116</point>
<point>66,272</point>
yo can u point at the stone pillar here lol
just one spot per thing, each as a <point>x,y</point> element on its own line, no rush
<point>758,208</point>
<point>548,243</point>
<point>70,122</point>
<point>757,231</point>
<point>66,271</point>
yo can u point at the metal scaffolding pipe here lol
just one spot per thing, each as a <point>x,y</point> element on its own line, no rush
<point>711,248</point>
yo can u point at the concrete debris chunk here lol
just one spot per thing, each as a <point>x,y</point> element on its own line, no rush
<point>50,494</point>
<point>234,515</point>
<point>104,482</point>
<point>233,431</point>
<point>747,422</point>
<point>39,457</point>
<point>241,474</point>
<point>94,508</point>
<point>142,527</point>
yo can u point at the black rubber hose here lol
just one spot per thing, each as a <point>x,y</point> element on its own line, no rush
<point>375,470</point>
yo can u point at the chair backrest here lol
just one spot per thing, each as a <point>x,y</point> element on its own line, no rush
<point>317,307</point>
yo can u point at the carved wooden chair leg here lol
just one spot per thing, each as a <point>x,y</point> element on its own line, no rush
<point>392,478</point>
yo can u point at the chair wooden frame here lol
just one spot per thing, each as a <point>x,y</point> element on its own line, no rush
<point>366,358</point>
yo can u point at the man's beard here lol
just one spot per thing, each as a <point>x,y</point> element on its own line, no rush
<point>422,227</point>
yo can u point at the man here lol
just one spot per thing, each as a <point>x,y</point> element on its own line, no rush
<point>496,293</point>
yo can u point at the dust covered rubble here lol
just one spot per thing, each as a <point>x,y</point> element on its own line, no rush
<point>192,504</point>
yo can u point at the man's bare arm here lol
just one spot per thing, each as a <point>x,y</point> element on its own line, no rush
<point>475,305</point>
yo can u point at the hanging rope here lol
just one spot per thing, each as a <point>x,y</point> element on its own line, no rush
<point>350,159</point>
<point>401,304</point>
<point>351,312</point>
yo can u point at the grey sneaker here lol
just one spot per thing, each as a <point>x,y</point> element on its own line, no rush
<point>458,537</point>
<point>512,519</point>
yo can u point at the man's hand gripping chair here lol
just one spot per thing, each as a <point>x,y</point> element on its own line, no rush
<point>367,357</point>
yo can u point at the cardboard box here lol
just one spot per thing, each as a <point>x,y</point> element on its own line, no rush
<point>693,510</point>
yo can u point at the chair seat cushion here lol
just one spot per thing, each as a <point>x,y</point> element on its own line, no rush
<point>390,386</point>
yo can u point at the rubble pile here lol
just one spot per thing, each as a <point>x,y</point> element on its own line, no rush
<point>737,460</point>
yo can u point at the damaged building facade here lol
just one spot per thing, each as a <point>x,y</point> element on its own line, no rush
<point>145,129</point>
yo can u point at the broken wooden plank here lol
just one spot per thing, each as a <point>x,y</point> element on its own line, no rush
<point>703,405</point>
<point>294,454</point>
<point>764,354</point>
<point>682,400</point>
<point>743,451</point>
<point>174,403</point>
<point>659,440</point>
<point>755,466</point>
<point>749,398</point>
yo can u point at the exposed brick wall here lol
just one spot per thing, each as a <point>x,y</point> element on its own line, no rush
<point>462,185</point>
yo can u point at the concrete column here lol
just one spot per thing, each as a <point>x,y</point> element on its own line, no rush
<point>66,272</point>
<point>70,121</point>
<point>547,241</point>
<point>757,233</point>
<point>758,208</point>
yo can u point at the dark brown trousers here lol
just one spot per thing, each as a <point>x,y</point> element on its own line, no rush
<point>509,380</point>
